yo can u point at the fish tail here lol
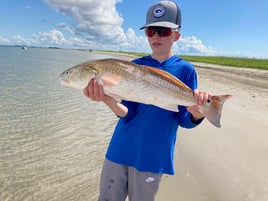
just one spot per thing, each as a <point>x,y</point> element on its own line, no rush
<point>213,112</point>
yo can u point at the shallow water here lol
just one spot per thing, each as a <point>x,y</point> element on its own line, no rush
<point>52,139</point>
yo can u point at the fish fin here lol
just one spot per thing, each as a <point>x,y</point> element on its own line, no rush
<point>168,77</point>
<point>213,113</point>
<point>110,80</point>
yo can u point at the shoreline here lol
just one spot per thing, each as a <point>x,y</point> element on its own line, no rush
<point>211,161</point>
<point>239,62</point>
<point>246,76</point>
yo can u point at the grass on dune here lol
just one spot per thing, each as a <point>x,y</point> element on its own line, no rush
<point>230,61</point>
<point>219,60</point>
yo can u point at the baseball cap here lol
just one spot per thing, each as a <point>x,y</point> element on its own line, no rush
<point>163,14</point>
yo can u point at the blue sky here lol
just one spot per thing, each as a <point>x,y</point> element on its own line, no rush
<point>209,27</point>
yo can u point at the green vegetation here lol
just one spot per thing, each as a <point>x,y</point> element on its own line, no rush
<point>219,60</point>
<point>230,61</point>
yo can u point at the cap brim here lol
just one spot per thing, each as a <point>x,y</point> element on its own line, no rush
<point>161,24</point>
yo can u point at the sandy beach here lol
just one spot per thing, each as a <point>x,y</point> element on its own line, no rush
<point>228,163</point>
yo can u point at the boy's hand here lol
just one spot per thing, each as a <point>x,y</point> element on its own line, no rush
<point>94,91</point>
<point>201,99</point>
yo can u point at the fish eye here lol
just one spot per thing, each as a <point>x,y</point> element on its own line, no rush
<point>66,73</point>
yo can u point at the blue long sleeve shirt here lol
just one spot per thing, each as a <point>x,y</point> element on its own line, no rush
<point>145,138</point>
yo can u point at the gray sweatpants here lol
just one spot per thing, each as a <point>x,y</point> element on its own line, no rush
<point>118,182</point>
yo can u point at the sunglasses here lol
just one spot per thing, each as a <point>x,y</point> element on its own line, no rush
<point>161,31</point>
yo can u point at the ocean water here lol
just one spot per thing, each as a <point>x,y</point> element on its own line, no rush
<point>52,138</point>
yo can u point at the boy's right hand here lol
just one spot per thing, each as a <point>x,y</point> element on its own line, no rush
<point>95,91</point>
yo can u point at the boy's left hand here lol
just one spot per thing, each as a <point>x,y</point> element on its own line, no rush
<point>201,99</point>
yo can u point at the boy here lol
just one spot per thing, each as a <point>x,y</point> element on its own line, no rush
<point>142,145</point>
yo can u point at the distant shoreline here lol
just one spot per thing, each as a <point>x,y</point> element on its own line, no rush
<point>216,60</point>
<point>124,54</point>
<point>242,62</point>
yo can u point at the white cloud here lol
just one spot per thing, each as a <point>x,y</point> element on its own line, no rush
<point>192,45</point>
<point>4,40</point>
<point>18,40</point>
<point>98,25</point>
<point>66,28</point>
<point>51,38</point>
<point>97,19</point>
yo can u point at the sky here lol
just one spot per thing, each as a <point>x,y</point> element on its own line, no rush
<point>209,27</point>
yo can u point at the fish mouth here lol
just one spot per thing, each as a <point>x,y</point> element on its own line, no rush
<point>64,82</point>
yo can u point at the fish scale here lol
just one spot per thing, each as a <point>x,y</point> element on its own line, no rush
<point>125,80</point>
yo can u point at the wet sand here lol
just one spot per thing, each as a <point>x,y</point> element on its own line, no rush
<point>228,163</point>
